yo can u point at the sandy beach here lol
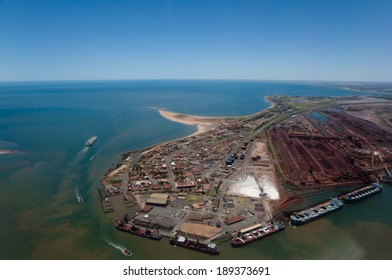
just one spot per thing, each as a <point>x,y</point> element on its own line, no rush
<point>203,124</point>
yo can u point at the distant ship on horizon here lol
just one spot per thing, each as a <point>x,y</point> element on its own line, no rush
<point>91,141</point>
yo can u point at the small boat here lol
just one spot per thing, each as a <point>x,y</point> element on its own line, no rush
<point>93,157</point>
<point>126,252</point>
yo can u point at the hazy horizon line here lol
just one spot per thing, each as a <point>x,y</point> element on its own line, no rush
<point>198,79</point>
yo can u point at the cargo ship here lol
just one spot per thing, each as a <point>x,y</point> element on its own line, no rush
<point>256,232</point>
<point>91,141</point>
<point>182,241</point>
<point>363,193</point>
<point>133,229</point>
<point>315,212</point>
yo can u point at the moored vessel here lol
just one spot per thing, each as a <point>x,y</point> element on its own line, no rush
<point>133,229</point>
<point>315,212</point>
<point>91,141</point>
<point>363,193</point>
<point>256,232</point>
<point>183,241</point>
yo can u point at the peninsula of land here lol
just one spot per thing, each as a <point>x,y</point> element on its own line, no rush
<point>203,124</point>
<point>236,177</point>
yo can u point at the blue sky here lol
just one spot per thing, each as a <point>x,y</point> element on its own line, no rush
<point>244,39</point>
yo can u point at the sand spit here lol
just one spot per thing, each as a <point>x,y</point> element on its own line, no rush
<point>203,124</point>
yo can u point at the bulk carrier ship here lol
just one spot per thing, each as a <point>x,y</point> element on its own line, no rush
<point>363,193</point>
<point>256,232</point>
<point>182,241</point>
<point>133,229</point>
<point>315,212</point>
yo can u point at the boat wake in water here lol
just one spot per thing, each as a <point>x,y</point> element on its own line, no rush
<point>70,174</point>
<point>78,196</point>
<point>119,247</point>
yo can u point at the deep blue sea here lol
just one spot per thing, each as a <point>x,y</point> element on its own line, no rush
<point>49,122</point>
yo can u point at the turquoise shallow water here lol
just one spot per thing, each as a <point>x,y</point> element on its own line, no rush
<point>49,123</point>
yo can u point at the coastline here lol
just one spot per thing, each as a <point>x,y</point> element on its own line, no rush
<point>364,90</point>
<point>202,123</point>
<point>206,128</point>
<point>183,148</point>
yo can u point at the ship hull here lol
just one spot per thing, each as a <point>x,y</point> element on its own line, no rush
<point>362,194</point>
<point>202,248</point>
<point>300,223</point>
<point>91,141</point>
<point>135,232</point>
<point>235,244</point>
<point>316,212</point>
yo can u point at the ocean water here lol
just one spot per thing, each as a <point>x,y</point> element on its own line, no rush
<point>48,123</point>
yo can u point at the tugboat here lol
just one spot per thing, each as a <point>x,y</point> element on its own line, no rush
<point>183,241</point>
<point>256,232</point>
<point>315,212</point>
<point>133,229</point>
<point>126,252</point>
<point>363,193</point>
